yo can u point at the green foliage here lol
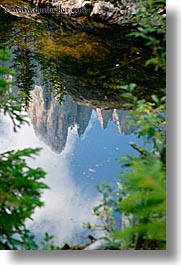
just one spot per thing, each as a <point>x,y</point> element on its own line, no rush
<point>148,117</point>
<point>20,191</point>
<point>142,197</point>
<point>9,103</point>
<point>105,209</point>
<point>48,244</point>
<point>150,21</point>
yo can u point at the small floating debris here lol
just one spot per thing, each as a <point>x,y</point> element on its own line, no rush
<point>92,170</point>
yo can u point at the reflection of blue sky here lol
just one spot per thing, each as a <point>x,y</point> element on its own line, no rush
<point>95,157</point>
<point>72,175</point>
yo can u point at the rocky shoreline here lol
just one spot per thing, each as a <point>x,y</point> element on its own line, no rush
<point>98,11</point>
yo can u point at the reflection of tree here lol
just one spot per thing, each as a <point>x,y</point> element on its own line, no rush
<point>23,36</point>
<point>29,66</point>
<point>18,40</point>
<point>50,77</point>
<point>24,66</point>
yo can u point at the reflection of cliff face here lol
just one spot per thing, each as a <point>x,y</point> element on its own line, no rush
<point>51,120</point>
<point>119,117</point>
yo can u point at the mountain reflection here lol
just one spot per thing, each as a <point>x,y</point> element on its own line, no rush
<point>51,121</point>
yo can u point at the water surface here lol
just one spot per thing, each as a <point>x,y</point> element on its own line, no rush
<point>70,79</point>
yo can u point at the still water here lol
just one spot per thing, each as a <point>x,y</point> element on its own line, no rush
<point>75,115</point>
<point>75,164</point>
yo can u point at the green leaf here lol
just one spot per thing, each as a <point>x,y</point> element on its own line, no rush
<point>132,86</point>
<point>152,61</point>
<point>155,99</point>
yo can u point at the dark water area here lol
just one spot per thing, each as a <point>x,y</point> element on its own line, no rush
<point>71,78</point>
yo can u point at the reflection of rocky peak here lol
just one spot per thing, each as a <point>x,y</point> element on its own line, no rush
<point>82,118</point>
<point>104,116</point>
<point>120,117</point>
<point>52,120</point>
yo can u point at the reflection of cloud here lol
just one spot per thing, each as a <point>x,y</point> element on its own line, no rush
<point>66,210</point>
<point>67,206</point>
